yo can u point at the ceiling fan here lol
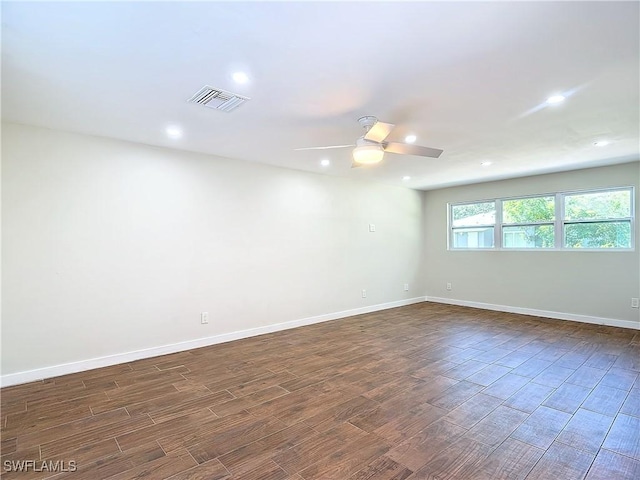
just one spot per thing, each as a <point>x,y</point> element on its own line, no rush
<point>370,148</point>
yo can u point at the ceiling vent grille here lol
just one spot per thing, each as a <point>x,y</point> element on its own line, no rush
<point>218,99</point>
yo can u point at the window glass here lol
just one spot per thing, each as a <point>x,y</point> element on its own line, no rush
<point>528,236</point>
<point>481,237</point>
<point>598,235</point>
<point>598,205</point>
<point>473,214</point>
<point>528,210</point>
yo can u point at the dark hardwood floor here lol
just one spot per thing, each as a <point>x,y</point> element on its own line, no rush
<point>425,391</point>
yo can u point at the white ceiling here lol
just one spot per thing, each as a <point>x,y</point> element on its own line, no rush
<point>470,78</point>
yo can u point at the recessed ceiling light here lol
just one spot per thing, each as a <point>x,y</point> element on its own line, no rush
<point>410,138</point>
<point>325,163</point>
<point>173,132</point>
<point>406,178</point>
<point>485,164</point>
<point>554,99</point>
<point>602,143</point>
<point>240,77</point>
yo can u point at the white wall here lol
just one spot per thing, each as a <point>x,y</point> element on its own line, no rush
<point>597,285</point>
<point>110,247</point>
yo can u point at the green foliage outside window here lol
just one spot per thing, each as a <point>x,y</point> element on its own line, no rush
<point>598,205</point>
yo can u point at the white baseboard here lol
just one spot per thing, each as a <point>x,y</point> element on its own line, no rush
<point>89,364</point>
<point>612,322</point>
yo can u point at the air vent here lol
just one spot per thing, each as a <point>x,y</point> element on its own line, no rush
<point>218,99</point>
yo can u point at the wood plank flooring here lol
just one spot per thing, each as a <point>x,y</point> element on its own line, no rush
<point>426,391</point>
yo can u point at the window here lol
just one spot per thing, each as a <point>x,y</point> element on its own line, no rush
<point>600,219</point>
<point>528,222</point>
<point>473,225</point>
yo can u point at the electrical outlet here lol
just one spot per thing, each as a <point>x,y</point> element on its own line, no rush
<point>406,287</point>
<point>364,294</point>
<point>372,227</point>
<point>634,303</point>
<point>448,285</point>
<point>204,317</point>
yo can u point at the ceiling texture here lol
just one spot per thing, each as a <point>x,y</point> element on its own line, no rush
<point>469,78</point>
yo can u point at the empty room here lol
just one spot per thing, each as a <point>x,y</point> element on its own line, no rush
<point>320,240</point>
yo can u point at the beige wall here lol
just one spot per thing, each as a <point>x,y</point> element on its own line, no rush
<point>593,284</point>
<point>110,247</point>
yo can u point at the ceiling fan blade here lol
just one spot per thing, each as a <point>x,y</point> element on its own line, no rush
<point>406,149</point>
<point>324,148</point>
<point>379,131</point>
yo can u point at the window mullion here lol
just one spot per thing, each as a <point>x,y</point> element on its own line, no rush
<point>559,221</point>
<point>449,226</point>
<point>527,224</point>
<point>497,231</point>
<point>633,217</point>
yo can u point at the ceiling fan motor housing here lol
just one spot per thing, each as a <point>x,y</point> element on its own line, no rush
<point>367,121</point>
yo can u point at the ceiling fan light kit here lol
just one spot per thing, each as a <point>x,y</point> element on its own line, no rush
<point>368,154</point>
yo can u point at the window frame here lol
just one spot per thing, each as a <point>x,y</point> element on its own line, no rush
<point>558,222</point>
